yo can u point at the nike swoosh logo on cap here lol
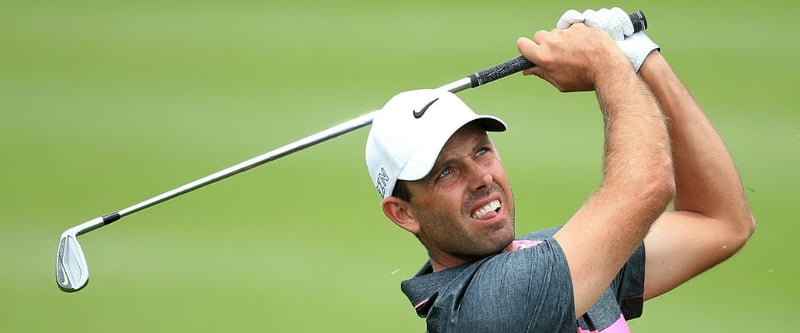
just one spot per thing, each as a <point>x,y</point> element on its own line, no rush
<point>420,113</point>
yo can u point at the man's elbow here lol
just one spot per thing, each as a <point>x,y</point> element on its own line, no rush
<point>666,189</point>
<point>660,186</point>
<point>748,228</point>
<point>739,232</point>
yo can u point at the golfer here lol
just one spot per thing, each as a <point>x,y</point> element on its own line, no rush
<point>441,178</point>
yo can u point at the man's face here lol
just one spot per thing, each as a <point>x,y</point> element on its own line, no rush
<point>464,206</point>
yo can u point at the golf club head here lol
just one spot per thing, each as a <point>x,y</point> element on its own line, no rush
<point>72,272</point>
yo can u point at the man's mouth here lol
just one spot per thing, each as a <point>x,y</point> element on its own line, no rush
<point>488,211</point>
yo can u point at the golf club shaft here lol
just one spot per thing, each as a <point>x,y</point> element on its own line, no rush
<point>272,155</point>
<point>472,81</point>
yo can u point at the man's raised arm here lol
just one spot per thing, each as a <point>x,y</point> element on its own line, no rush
<point>712,218</point>
<point>637,172</point>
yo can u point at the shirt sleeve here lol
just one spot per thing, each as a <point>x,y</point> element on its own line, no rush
<point>629,285</point>
<point>529,290</point>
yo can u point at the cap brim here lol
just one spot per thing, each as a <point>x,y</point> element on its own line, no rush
<point>421,163</point>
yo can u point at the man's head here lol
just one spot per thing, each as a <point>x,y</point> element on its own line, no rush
<point>460,203</point>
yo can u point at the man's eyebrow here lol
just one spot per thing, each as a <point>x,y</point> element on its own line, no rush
<point>438,165</point>
<point>484,141</point>
<point>440,162</point>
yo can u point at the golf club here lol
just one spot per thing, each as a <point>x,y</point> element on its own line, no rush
<point>72,271</point>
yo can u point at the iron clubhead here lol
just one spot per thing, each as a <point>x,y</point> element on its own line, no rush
<point>72,272</point>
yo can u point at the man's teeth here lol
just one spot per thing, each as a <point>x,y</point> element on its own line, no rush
<point>490,207</point>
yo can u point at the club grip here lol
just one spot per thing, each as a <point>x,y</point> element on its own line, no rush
<point>520,63</point>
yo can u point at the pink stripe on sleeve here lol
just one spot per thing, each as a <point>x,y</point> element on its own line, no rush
<point>620,326</point>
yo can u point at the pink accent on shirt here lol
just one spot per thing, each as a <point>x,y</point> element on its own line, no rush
<point>418,305</point>
<point>520,244</point>
<point>620,326</point>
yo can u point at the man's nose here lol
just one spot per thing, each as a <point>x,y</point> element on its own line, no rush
<point>480,177</point>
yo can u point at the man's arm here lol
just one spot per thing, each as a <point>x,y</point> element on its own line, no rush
<point>637,171</point>
<point>712,219</point>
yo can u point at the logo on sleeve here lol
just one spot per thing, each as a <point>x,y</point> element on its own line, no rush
<point>420,113</point>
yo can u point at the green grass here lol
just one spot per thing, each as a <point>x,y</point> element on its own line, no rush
<point>106,103</point>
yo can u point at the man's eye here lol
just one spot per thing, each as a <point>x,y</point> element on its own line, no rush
<point>445,172</point>
<point>482,151</point>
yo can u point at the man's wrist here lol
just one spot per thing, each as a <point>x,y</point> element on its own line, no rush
<point>614,68</point>
<point>654,66</point>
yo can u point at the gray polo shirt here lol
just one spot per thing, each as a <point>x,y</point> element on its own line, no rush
<point>528,290</point>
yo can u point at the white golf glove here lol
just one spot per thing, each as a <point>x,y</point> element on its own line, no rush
<point>636,46</point>
<point>614,21</point>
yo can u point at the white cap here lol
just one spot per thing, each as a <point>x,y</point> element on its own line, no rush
<point>409,132</point>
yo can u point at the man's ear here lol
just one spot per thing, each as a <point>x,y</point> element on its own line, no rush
<point>401,213</point>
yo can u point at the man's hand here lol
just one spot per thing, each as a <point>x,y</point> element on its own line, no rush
<point>574,59</point>
<point>636,46</point>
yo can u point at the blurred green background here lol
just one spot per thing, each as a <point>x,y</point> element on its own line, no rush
<point>106,103</point>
